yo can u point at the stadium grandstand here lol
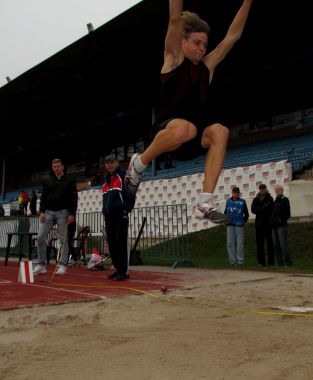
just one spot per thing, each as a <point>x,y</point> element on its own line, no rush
<point>61,100</point>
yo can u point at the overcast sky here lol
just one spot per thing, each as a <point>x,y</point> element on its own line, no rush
<point>33,30</point>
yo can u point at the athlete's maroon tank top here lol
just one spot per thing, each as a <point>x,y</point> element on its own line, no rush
<point>185,93</point>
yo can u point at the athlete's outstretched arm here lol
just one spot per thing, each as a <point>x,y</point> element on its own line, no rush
<point>173,54</point>
<point>233,34</point>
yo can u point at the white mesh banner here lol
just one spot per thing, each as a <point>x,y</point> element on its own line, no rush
<point>186,189</point>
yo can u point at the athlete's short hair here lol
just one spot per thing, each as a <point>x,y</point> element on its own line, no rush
<point>57,161</point>
<point>192,23</point>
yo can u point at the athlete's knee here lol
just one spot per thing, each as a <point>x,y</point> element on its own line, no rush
<point>215,134</point>
<point>184,132</point>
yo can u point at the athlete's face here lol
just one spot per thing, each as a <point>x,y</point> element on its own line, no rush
<point>194,46</point>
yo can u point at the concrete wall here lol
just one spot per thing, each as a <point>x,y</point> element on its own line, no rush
<point>301,198</point>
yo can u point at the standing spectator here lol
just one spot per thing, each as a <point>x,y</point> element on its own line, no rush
<point>2,212</point>
<point>20,204</point>
<point>23,202</point>
<point>58,205</point>
<point>238,214</point>
<point>33,203</point>
<point>117,204</point>
<point>71,230</point>
<point>280,216</point>
<point>97,180</point>
<point>262,206</point>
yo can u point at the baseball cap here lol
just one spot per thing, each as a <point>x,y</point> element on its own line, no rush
<point>110,157</point>
<point>235,189</point>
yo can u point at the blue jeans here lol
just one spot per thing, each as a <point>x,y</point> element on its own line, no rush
<point>52,218</point>
<point>235,244</point>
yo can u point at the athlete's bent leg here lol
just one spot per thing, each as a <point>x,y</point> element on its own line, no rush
<point>215,138</point>
<point>176,133</point>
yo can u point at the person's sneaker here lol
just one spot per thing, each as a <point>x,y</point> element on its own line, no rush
<point>112,275</point>
<point>132,177</point>
<point>39,269</point>
<point>205,211</point>
<point>61,270</point>
<point>76,263</point>
<point>121,277</point>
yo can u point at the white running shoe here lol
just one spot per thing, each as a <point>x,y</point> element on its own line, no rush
<point>61,270</point>
<point>132,178</point>
<point>205,211</point>
<point>39,269</point>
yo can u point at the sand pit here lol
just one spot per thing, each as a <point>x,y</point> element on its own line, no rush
<point>222,324</point>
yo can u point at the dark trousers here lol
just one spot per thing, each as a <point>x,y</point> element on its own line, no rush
<point>264,234</point>
<point>71,229</point>
<point>117,237</point>
<point>280,240</point>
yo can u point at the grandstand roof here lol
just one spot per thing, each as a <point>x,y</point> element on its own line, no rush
<point>99,91</point>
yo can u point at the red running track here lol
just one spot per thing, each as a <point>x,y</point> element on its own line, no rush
<point>78,285</point>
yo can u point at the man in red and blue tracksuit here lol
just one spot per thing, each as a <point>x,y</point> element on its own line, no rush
<point>117,204</point>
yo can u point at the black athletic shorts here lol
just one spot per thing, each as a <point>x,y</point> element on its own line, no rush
<point>187,151</point>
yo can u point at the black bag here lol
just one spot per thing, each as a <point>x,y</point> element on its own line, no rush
<point>135,258</point>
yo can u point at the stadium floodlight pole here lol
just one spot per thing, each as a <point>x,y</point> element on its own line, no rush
<point>3,178</point>
<point>153,163</point>
<point>90,27</point>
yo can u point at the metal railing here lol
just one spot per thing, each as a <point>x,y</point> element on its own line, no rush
<point>165,234</point>
<point>302,163</point>
<point>164,237</point>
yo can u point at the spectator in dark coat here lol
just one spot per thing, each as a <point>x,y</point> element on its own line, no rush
<point>33,203</point>
<point>279,219</point>
<point>58,205</point>
<point>262,206</point>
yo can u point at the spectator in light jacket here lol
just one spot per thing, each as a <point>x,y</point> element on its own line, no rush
<point>238,214</point>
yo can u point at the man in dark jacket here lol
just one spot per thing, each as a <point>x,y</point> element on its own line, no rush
<point>58,205</point>
<point>280,216</point>
<point>262,206</point>
<point>117,204</point>
<point>33,203</point>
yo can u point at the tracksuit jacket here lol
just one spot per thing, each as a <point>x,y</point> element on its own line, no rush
<point>237,211</point>
<point>116,199</point>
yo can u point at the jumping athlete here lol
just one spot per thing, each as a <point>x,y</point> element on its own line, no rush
<point>186,76</point>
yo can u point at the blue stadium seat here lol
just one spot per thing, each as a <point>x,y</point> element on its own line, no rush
<point>246,155</point>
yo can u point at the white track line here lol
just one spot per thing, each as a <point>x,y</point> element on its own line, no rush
<point>3,282</point>
<point>67,290</point>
